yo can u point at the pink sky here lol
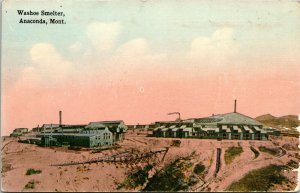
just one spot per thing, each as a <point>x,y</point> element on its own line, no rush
<point>193,97</point>
<point>195,59</point>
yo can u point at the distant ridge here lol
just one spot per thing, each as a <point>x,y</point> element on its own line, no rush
<point>287,122</point>
<point>265,117</point>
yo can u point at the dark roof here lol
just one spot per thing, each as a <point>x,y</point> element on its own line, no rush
<point>208,120</point>
<point>95,125</point>
<point>72,126</point>
<point>76,134</point>
<point>175,123</point>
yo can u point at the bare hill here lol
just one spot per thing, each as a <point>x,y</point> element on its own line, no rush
<point>288,122</point>
<point>188,165</point>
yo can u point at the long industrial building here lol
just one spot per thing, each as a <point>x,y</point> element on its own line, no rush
<point>102,138</point>
<point>94,134</point>
<point>222,126</point>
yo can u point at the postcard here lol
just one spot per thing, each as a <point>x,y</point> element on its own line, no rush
<point>144,95</point>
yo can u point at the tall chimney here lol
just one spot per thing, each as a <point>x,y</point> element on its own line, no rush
<point>59,118</point>
<point>235,105</point>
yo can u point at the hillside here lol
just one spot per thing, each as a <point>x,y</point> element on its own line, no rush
<point>288,122</point>
<point>188,165</point>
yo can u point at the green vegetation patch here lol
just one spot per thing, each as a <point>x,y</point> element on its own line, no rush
<point>137,178</point>
<point>30,185</point>
<point>193,179</point>
<point>256,153</point>
<point>293,164</point>
<point>172,177</point>
<point>199,169</point>
<point>231,153</point>
<point>260,180</point>
<point>272,151</point>
<point>31,171</point>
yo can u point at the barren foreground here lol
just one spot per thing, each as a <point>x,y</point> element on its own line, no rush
<point>17,158</point>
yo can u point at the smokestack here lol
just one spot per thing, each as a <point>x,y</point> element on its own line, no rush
<point>60,118</point>
<point>235,105</point>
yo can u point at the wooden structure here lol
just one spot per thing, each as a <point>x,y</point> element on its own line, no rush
<point>128,157</point>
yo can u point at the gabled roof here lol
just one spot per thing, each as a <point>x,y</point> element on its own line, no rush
<point>113,126</point>
<point>104,123</point>
<point>95,125</point>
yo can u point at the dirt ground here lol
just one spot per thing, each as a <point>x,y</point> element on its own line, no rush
<point>17,158</point>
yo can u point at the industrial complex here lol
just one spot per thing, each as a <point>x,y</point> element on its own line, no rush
<point>94,134</point>
<point>230,126</point>
<point>223,126</point>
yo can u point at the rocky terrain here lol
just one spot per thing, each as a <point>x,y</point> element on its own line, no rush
<point>189,163</point>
